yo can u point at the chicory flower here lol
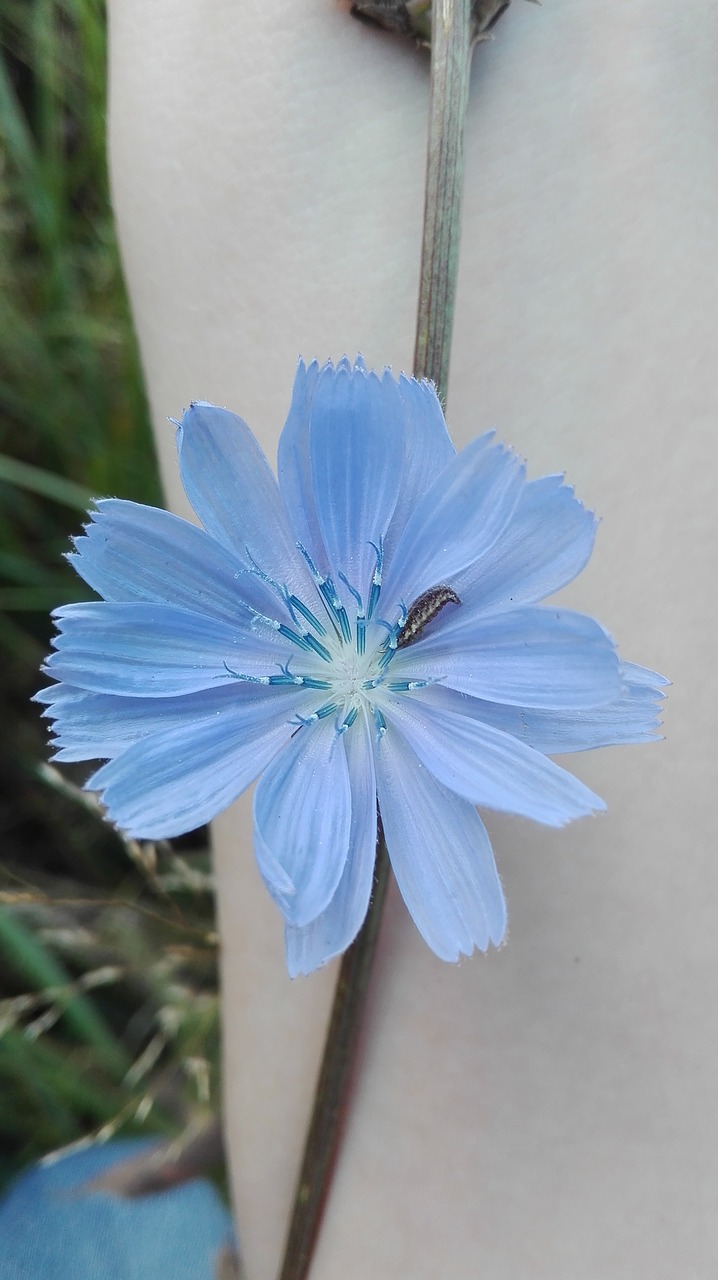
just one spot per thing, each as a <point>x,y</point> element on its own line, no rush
<point>363,630</point>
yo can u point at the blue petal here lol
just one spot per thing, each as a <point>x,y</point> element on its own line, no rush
<point>302,821</point>
<point>547,542</point>
<point>356,447</point>
<point>440,854</point>
<point>157,651</point>
<point>233,491</point>
<point>337,926</point>
<point>62,1220</point>
<point>132,552</point>
<point>426,442</point>
<point>99,726</point>
<point>457,521</point>
<point>183,777</point>
<point>529,657</point>
<point>485,765</point>
<point>294,465</point>
<point>633,717</point>
<point>428,450</point>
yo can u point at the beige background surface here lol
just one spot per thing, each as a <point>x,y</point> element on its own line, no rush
<point>548,1111</point>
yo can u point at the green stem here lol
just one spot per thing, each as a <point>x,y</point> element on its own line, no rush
<point>322,1143</point>
<point>451,45</point>
<point>450,66</point>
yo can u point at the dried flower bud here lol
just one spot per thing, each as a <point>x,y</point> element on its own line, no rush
<point>413,17</point>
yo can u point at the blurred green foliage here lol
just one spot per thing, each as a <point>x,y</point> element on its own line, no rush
<point>108,1004</point>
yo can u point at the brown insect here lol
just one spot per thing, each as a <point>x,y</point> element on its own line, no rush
<point>424,609</point>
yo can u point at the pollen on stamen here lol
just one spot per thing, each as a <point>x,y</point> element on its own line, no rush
<point>348,720</point>
<point>380,723</point>
<point>238,675</point>
<point>295,604</point>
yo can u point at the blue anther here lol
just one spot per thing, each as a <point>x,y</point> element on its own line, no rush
<point>352,590</point>
<point>380,723</point>
<point>301,641</point>
<point>345,624</point>
<point>320,714</point>
<point>310,683</point>
<point>390,644</point>
<point>373,683</point>
<point>406,686</point>
<point>361,616</point>
<point>294,603</point>
<point>386,657</point>
<point>327,710</point>
<point>336,608</point>
<point>286,678</point>
<point>351,717</point>
<point>310,642</point>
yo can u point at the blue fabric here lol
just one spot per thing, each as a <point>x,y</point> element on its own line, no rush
<point>53,1228</point>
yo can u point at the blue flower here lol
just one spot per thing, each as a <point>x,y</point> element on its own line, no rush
<point>366,629</point>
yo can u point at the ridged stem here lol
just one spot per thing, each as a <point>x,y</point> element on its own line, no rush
<point>322,1142</point>
<point>451,45</point>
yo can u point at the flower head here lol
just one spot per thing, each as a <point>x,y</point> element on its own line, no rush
<point>365,629</point>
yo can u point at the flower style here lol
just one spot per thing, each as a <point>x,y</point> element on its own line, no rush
<point>365,629</point>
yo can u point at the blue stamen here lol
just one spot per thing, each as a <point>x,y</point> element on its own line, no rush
<point>237,675</point>
<point>309,682</point>
<point>311,643</point>
<point>302,641</point>
<point>353,591</point>
<point>390,644</point>
<point>336,608</point>
<point>318,579</point>
<point>361,617</point>
<point>281,589</point>
<point>328,592</point>
<point>380,723</point>
<point>372,684</point>
<point>348,720</point>
<point>262,617</point>
<point>406,686</point>
<point>327,710</point>
<point>376,579</point>
<point>260,572</point>
<point>281,627</point>
<point>320,714</point>
<point>294,603</point>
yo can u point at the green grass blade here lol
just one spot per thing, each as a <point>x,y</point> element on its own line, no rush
<point>37,480</point>
<point>26,953</point>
